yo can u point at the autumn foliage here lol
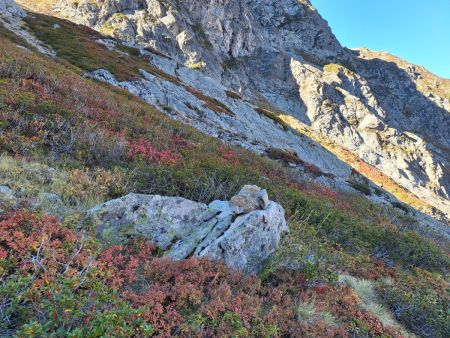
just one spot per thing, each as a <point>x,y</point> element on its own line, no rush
<point>187,298</point>
<point>143,148</point>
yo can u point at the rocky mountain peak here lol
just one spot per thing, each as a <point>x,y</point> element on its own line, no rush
<point>203,30</point>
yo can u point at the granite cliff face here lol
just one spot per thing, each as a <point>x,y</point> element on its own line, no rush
<point>272,61</point>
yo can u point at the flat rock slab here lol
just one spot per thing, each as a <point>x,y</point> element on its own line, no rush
<point>161,220</point>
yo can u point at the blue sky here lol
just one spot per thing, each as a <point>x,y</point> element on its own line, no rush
<point>415,30</point>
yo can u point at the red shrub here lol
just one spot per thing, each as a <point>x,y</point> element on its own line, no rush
<point>190,297</point>
<point>229,156</point>
<point>103,116</point>
<point>143,148</point>
<point>343,205</point>
<point>324,191</point>
<point>32,242</point>
<point>172,291</point>
<point>180,141</point>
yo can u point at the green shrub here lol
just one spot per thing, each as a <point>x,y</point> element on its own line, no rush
<point>94,311</point>
<point>274,117</point>
<point>419,306</point>
<point>362,187</point>
<point>304,251</point>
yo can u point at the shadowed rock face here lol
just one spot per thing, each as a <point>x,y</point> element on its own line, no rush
<point>376,111</point>
<point>242,233</point>
<point>282,54</point>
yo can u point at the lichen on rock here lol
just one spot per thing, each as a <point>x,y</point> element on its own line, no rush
<point>242,238</point>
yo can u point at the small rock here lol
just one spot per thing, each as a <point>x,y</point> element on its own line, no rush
<point>49,198</point>
<point>108,43</point>
<point>22,47</point>
<point>6,194</point>
<point>56,26</point>
<point>103,75</point>
<point>247,200</point>
<point>263,199</point>
<point>50,204</point>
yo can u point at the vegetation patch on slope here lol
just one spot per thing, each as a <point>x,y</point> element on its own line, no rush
<point>59,278</point>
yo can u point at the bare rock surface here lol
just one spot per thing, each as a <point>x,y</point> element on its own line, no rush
<point>183,228</point>
<point>6,194</point>
<point>250,198</point>
<point>9,8</point>
<point>163,220</point>
<point>11,16</point>
<point>250,239</point>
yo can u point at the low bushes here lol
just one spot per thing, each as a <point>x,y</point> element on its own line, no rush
<point>79,189</point>
<point>274,117</point>
<point>58,281</point>
<point>362,187</point>
<point>420,301</point>
<point>50,284</point>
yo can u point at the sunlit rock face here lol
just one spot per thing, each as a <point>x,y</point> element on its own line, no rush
<point>281,54</point>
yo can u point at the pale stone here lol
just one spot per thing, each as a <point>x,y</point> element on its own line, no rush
<point>247,200</point>
<point>6,194</point>
<point>183,228</point>
<point>249,240</point>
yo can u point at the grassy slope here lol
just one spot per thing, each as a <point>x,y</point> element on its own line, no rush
<point>50,117</point>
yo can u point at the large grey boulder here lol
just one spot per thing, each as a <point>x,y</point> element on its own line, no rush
<point>241,239</point>
<point>162,220</point>
<point>249,239</point>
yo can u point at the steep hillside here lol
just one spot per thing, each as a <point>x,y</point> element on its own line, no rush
<point>355,263</point>
<point>283,57</point>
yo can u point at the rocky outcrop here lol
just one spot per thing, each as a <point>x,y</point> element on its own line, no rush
<point>9,8</point>
<point>11,16</point>
<point>242,233</point>
<point>380,121</point>
<point>281,55</point>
